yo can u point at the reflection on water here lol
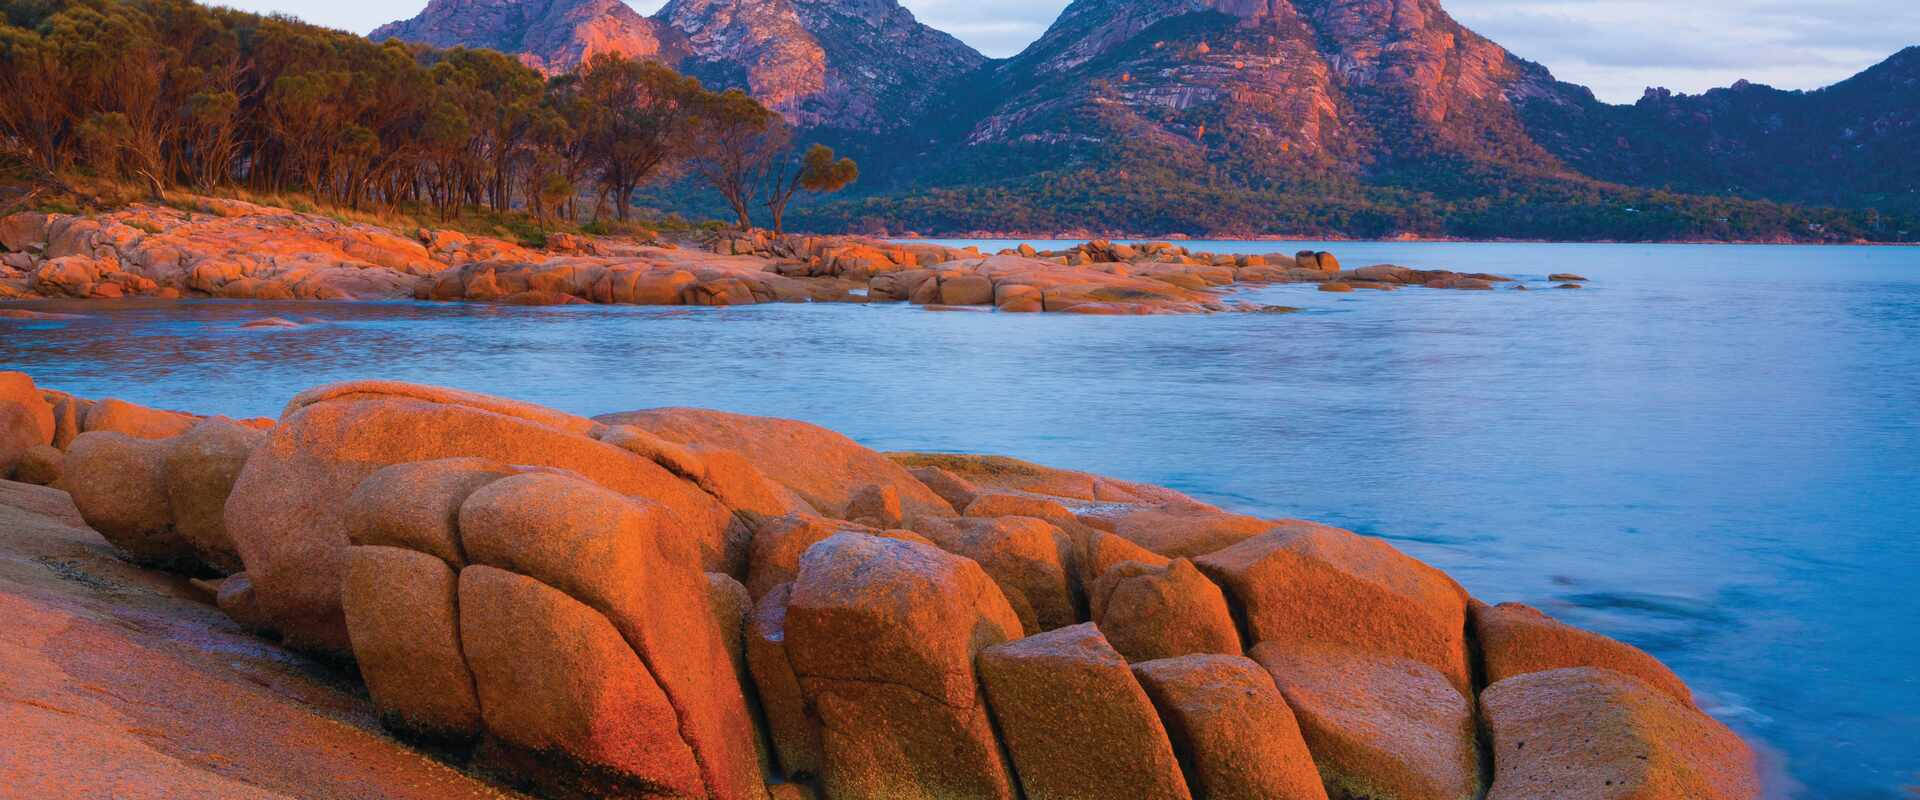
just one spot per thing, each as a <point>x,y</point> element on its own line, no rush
<point>1710,452</point>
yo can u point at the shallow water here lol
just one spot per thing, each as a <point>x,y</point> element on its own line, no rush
<point>1711,452</point>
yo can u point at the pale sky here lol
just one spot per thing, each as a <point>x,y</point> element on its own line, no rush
<point>1617,47</point>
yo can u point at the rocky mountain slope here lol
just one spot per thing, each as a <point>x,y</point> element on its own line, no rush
<point>1849,144</point>
<point>548,35</point>
<point>1263,81</point>
<point>1358,117</point>
<point>861,65</point>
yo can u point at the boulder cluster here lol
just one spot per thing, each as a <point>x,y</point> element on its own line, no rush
<point>689,603</point>
<point>232,249</point>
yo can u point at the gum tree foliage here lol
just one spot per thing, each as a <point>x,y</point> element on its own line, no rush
<point>170,93</point>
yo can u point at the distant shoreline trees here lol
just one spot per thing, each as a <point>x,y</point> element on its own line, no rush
<point>170,93</point>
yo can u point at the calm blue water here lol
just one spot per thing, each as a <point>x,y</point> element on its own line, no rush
<point>1712,452</point>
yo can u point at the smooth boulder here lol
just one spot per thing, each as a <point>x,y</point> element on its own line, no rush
<point>1307,583</point>
<point>1378,726</point>
<point>201,466</point>
<point>1075,720</point>
<point>568,705</point>
<point>823,467</point>
<point>26,419</point>
<point>1595,734</point>
<point>119,483</point>
<point>287,513</point>
<point>1030,560</point>
<point>1231,728</point>
<point>882,634</point>
<point>402,615</point>
<point>1150,612</point>
<point>1517,639</point>
<point>627,560</point>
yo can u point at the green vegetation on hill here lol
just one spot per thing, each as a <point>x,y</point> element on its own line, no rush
<point>171,93</point>
<point>1450,200</point>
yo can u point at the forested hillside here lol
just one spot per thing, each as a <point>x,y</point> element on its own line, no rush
<point>171,93</point>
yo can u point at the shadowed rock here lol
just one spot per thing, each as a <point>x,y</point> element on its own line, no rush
<point>792,723</point>
<point>201,466</point>
<point>119,483</point>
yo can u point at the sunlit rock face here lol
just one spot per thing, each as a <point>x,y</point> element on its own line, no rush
<point>1312,83</point>
<point>549,35</point>
<point>861,65</point>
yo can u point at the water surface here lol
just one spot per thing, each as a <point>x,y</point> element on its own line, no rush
<point>1712,452</point>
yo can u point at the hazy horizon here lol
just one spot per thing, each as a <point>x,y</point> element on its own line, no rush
<point>1616,47</point>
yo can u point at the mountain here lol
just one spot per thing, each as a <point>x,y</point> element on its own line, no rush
<point>1849,144</point>
<point>549,35</point>
<point>864,66</point>
<point>1358,117</point>
<point>1338,84</point>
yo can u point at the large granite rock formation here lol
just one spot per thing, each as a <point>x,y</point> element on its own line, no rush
<point>575,607</point>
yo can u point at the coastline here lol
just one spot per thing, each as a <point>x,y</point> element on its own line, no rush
<point>1073,236</point>
<point>815,585</point>
<point>208,247</point>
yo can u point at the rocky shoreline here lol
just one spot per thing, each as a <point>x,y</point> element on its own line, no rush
<point>231,249</point>
<point>690,603</point>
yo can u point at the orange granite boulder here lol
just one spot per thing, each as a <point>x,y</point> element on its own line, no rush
<point>111,414</point>
<point>1075,721</point>
<point>119,483</point>
<point>1378,726</point>
<point>41,465</point>
<point>882,635</point>
<point>417,505</point>
<point>1176,531</point>
<point>200,466</point>
<point>1030,560</point>
<point>628,560</point>
<point>1588,732</point>
<point>793,725</point>
<point>1149,612</point>
<point>1230,728</point>
<point>1102,551</point>
<point>401,609</point>
<point>773,557</point>
<point>1310,584</point>
<point>823,467</point>
<point>1516,639</point>
<point>567,704</point>
<point>288,514</point>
